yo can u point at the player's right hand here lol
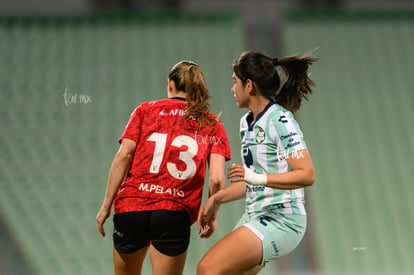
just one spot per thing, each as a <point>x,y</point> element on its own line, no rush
<point>101,218</point>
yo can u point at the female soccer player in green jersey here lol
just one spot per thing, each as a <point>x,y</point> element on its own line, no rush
<point>276,166</point>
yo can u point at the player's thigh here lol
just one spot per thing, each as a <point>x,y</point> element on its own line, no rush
<point>252,271</point>
<point>131,231</point>
<point>170,238</point>
<point>166,265</point>
<point>131,240</point>
<point>239,251</point>
<point>129,263</point>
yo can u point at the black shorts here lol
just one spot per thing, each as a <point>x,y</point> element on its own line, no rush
<point>167,231</point>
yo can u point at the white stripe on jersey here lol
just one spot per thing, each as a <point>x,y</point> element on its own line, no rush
<point>286,199</point>
<point>262,161</point>
<point>251,198</point>
<point>299,201</point>
<point>288,209</point>
<point>268,193</point>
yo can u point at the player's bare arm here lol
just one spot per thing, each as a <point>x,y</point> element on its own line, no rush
<point>117,173</point>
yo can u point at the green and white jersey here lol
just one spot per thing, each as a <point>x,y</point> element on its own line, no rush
<point>265,144</point>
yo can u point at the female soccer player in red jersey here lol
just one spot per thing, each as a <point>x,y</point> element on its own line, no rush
<point>157,176</point>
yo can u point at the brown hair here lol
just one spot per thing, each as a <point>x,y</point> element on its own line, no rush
<point>286,91</point>
<point>189,78</point>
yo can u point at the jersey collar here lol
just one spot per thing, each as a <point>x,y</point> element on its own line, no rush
<point>177,97</point>
<point>249,117</point>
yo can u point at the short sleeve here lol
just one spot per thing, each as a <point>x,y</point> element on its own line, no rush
<point>220,142</point>
<point>289,138</point>
<point>132,129</point>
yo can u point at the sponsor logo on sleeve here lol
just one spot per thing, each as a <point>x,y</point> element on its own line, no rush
<point>283,119</point>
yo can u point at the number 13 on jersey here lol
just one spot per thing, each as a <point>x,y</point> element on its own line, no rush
<point>187,156</point>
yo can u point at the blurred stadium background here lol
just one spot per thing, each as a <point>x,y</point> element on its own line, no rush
<point>72,71</point>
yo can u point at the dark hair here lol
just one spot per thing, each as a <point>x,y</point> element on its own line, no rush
<point>262,71</point>
<point>188,78</point>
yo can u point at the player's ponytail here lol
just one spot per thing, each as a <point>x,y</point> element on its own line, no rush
<point>297,83</point>
<point>188,78</point>
<point>284,81</point>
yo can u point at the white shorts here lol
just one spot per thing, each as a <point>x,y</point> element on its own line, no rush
<point>280,233</point>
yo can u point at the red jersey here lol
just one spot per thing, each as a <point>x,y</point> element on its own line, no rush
<point>169,165</point>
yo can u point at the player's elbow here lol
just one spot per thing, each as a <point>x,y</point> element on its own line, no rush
<point>124,155</point>
<point>126,150</point>
<point>310,177</point>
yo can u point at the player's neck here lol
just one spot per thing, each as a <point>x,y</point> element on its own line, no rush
<point>257,105</point>
<point>176,94</point>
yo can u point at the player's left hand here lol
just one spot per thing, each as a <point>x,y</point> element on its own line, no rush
<point>236,170</point>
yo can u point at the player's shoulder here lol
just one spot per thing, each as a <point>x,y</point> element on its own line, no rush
<point>154,103</point>
<point>216,117</point>
<point>278,113</point>
<point>277,109</point>
<point>159,104</point>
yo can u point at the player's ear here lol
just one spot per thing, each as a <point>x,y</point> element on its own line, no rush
<point>250,87</point>
<point>170,85</point>
<point>249,84</point>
